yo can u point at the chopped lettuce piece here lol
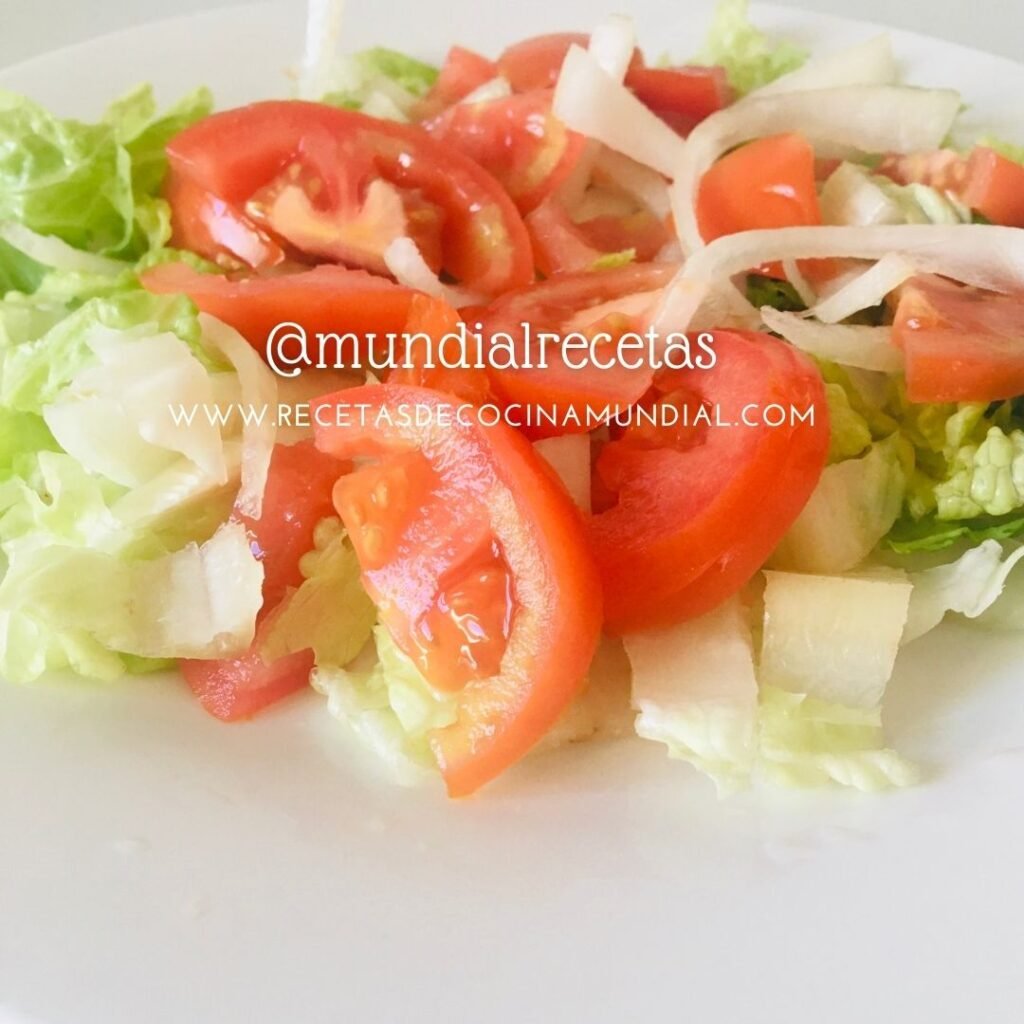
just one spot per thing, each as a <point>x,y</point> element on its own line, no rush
<point>968,586</point>
<point>390,707</point>
<point>805,741</point>
<point>833,637</point>
<point>18,272</point>
<point>929,534</point>
<point>751,59</point>
<point>92,185</point>
<point>611,260</point>
<point>1011,150</point>
<point>852,508</point>
<point>330,612</point>
<point>985,478</point>
<point>780,295</point>
<point>695,690</point>
<point>849,433</point>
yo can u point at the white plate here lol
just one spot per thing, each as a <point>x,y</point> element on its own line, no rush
<point>157,866</point>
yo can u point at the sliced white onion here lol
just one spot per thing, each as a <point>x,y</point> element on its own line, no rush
<point>795,276</point>
<point>258,394</point>
<point>54,252</point>
<point>850,196</point>
<point>569,456</point>
<point>380,104</point>
<point>985,255</point>
<point>647,187</point>
<point>588,100</point>
<point>872,118</point>
<point>867,348</point>
<point>700,305</point>
<point>865,290</point>
<point>493,89</point>
<point>323,27</point>
<point>868,63</point>
<point>612,44</point>
<point>405,261</point>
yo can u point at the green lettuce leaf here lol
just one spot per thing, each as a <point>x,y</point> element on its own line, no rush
<point>751,59</point>
<point>767,291</point>
<point>380,73</point>
<point>18,272</point>
<point>92,185</point>
<point>390,707</point>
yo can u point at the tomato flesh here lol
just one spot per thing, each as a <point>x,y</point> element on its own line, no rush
<point>327,160</point>
<point>960,344</point>
<point>462,72</point>
<point>478,562</point>
<point>691,515</point>
<point>683,96</point>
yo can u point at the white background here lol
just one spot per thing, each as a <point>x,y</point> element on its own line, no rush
<point>30,27</point>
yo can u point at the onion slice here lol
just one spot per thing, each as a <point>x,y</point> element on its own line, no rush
<point>589,101</point>
<point>323,27</point>
<point>869,63</point>
<point>872,118</point>
<point>867,348</point>
<point>404,260</point>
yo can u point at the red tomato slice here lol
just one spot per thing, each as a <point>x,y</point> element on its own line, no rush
<point>561,245</point>
<point>961,344</point>
<point>698,510</point>
<point>768,183</point>
<point>200,222</point>
<point>612,301</point>
<point>535,63</point>
<point>326,299</point>
<point>517,139</point>
<point>336,181</point>
<point>477,559</point>
<point>297,496</point>
<point>436,319</point>
<point>985,181</point>
<point>462,72</point>
<point>683,96</point>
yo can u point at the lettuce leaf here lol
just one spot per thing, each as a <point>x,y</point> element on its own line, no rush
<point>92,185</point>
<point>18,272</point>
<point>377,74</point>
<point>750,58</point>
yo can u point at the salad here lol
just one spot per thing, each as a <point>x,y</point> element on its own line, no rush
<point>740,416</point>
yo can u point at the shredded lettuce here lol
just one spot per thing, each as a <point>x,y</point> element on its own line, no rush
<point>377,77</point>
<point>1011,150</point>
<point>330,612</point>
<point>390,707</point>
<point>767,291</point>
<point>18,272</point>
<point>92,185</point>
<point>751,59</point>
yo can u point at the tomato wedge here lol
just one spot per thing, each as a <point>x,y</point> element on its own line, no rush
<point>325,299</point>
<point>517,139</point>
<point>462,72</point>
<point>698,509</point>
<point>768,183</point>
<point>339,185</point>
<point>985,181</point>
<point>961,344</point>
<point>478,562</point>
<point>297,496</point>
<point>573,391</point>
<point>561,245</point>
<point>201,222</point>
<point>435,319</point>
<point>682,96</point>
<point>535,63</point>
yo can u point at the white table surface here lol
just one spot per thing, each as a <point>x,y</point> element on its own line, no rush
<point>30,27</point>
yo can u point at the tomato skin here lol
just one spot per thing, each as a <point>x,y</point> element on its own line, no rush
<point>504,490</point>
<point>681,96</point>
<point>462,72</point>
<point>233,689</point>
<point>695,518</point>
<point>960,344</point>
<point>535,63</point>
<point>201,222</point>
<point>517,139</point>
<point>299,493</point>
<point>324,299</point>
<point>237,153</point>
<point>547,307</point>
<point>768,183</point>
